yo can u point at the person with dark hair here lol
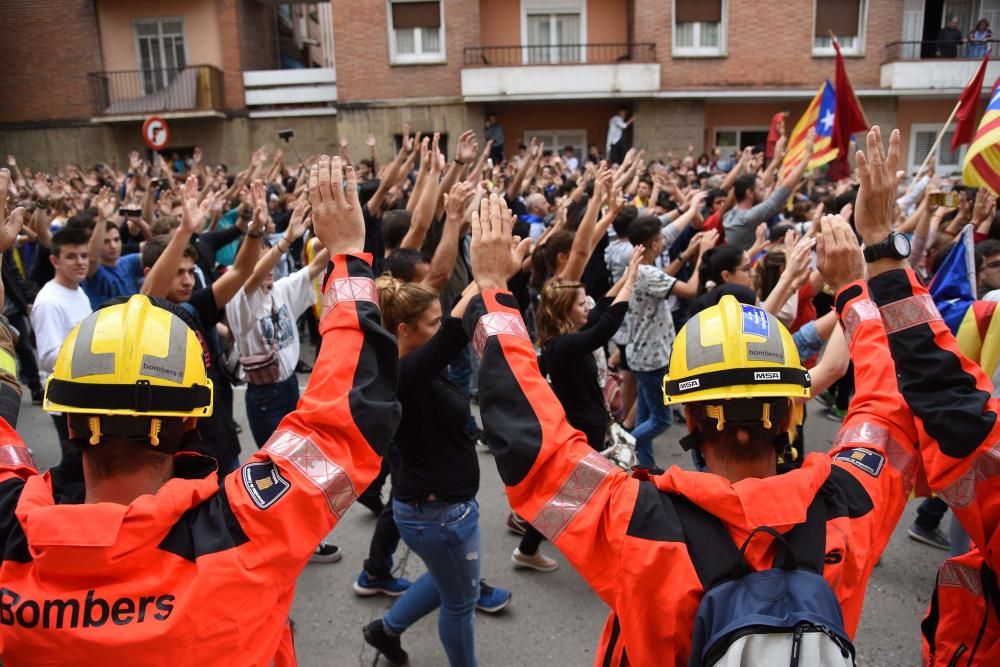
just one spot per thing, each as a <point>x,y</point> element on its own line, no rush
<point>651,331</point>
<point>109,274</point>
<point>395,225</point>
<point>494,133</point>
<point>752,208</point>
<point>61,304</point>
<point>988,275</point>
<point>408,265</point>
<point>617,143</point>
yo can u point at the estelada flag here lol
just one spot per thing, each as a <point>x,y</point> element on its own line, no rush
<point>981,167</point>
<point>965,116</point>
<point>819,115</point>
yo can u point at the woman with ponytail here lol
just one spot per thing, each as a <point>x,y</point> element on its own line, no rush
<point>435,474</point>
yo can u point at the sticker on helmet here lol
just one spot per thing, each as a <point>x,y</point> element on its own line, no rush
<point>755,321</point>
<point>689,384</point>
<point>869,461</point>
<point>766,376</point>
<point>264,483</point>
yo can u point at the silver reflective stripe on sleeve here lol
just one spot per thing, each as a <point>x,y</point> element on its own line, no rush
<point>494,324</point>
<point>16,455</point>
<point>858,312</point>
<point>909,312</point>
<point>962,492</point>
<point>310,460</point>
<point>574,495</point>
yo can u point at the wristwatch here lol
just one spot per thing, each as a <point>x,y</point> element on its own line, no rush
<point>895,246</point>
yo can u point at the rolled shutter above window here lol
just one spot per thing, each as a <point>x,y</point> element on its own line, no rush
<point>416,15</point>
<point>698,11</point>
<point>838,16</point>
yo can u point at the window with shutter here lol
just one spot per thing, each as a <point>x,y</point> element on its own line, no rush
<point>922,139</point>
<point>843,18</point>
<point>416,31</point>
<point>699,27</point>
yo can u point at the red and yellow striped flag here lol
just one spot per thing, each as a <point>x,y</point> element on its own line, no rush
<point>819,116</point>
<point>982,162</point>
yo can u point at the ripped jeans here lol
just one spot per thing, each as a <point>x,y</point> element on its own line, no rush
<point>446,537</point>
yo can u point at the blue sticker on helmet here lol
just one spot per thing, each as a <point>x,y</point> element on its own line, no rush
<point>755,321</point>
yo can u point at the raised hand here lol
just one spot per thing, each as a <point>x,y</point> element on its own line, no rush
<point>370,141</point>
<point>336,212</point>
<point>496,254</point>
<point>632,272</point>
<point>261,214</point>
<point>708,240</point>
<point>985,205</point>
<point>877,192</point>
<point>300,220</point>
<point>11,162</point>
<point>343,142</point>
<point>12,223</point>
<point>839,257</point>
<point>467,148</point>
<point>196,155</point>
<point>456,201</point>
<point>106,203</point>
<point>193,216</point>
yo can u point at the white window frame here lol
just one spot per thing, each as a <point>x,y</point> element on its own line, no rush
<point>719,51</point>
<point>557,146</point>
<point>136,22</point>
<point>942,168</point>
<point>739,130</point>
<point>856,49</point>
<point>418,58</point>
<point>535,8</point>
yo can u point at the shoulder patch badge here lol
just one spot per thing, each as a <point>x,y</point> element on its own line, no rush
<point>869,461</point>
<point>264,483</point>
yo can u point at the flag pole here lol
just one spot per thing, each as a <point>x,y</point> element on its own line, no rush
<point>937,142</point>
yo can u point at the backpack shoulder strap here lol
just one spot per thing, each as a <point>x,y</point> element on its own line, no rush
<point>804,547</point>
<point>713,553</point>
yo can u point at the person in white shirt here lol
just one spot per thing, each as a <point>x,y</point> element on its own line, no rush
<point>616,147</point>
<point>262,317</point>
<point>61,304</point>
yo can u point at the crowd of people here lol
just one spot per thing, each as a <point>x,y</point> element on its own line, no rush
<point>585,302</point>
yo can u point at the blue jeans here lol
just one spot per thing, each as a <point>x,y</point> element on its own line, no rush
<point>652,416</point>
<point>267,405</point>
<point>446,537</point>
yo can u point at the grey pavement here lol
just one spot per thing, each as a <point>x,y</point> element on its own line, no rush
<point>553,619</point>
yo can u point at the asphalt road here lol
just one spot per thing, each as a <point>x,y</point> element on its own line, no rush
<point>553,619</point>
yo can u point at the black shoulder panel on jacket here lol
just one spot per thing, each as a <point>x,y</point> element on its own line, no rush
<point>845,496</point>
<point>15,544</point>
<point>654,516</point>
<point>205,529</point>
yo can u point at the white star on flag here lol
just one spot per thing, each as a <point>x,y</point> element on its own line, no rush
<point>827,120</point>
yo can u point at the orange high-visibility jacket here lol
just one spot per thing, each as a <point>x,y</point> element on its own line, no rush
<point>199,574</point>
<point>622,534</point>
<point>962,625</point>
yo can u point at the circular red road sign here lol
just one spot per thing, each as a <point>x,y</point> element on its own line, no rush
<point>155,133</point>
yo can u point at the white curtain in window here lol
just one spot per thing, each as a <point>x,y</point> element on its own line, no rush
<point>568,32</point>
<point>685,34</point>
<point>405,42</point>
<point>430,40</point>
<point>539,38</point>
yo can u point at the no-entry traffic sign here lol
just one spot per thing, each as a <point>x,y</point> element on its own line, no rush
<point>155,133</point>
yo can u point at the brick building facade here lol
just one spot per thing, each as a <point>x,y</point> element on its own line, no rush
<point>700,72</point>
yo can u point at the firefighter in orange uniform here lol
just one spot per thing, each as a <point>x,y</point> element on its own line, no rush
<point>918,402</point>
<point>160,564</point>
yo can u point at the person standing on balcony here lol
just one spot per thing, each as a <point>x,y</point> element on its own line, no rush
<point>979,40</point>
<point>494,133</point>
<point>617,144</point>
<point>948,40</point>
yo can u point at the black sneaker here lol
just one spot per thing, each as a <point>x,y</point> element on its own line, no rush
<point>931,537</point>
<point>385,644</point>
<point>303,367</point>
<point>326,553</point>
<point>37,396</point>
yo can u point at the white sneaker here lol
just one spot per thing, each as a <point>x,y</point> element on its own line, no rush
<point>326,553</point>
<point>536,562</point>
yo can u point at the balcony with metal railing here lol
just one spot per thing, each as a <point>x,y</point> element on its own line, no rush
<point>936,66</point>
<point>191,91</point>
<point>559,71</point>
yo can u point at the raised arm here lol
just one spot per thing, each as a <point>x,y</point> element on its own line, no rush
<point>297,226</point>
<point>569,492</point>
<point>581,249</point>
<point>161,275</point>
<point>329,449</point>
<point>423,212</point>
<point>226,287</point>
<point>446,252</point>
<point>106,206</point>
